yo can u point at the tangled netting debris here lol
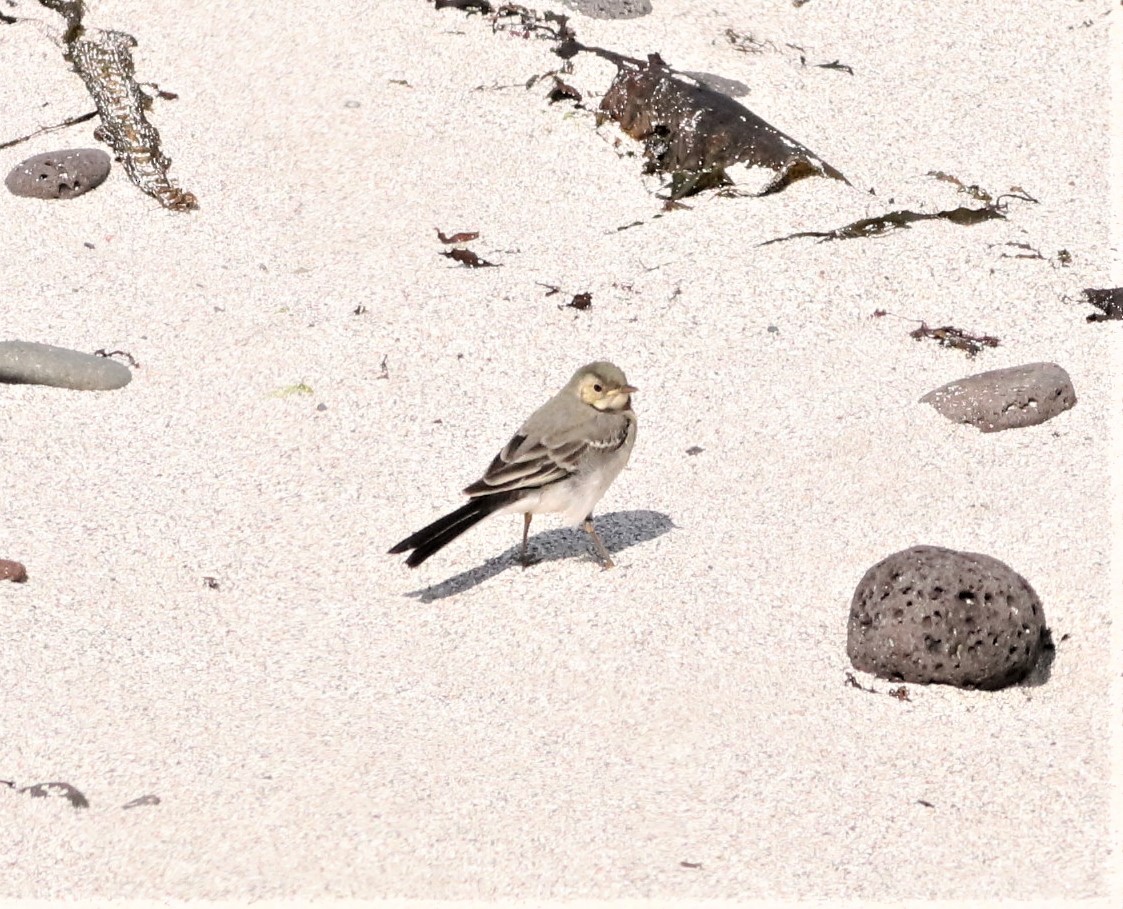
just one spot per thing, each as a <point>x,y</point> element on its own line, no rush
<point>104,60</point>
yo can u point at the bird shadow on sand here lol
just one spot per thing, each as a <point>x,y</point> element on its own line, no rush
<point>619,530</point>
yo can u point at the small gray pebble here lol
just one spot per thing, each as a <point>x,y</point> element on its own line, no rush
<point>25,362</point>
<point>1006,398</point>
<point>929,614</point>
<point>60,174</point>
<point>611,9</point>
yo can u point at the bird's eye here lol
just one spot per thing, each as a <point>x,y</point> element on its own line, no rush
<point>598,388</point>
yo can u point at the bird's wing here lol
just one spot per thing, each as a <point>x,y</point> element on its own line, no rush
<point>533,459</point>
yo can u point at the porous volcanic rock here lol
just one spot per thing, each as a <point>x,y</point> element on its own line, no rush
<point>929,614</point>
<point>1006,398</point>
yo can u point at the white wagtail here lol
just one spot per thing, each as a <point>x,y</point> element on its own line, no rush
<point>561,461</point>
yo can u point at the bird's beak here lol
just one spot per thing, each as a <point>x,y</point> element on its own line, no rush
<point>628,389</point>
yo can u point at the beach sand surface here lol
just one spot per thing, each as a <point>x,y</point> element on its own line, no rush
<point>316,382</point>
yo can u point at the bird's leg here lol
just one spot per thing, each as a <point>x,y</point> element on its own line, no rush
<point>602,553</point>
<point>526,530</point>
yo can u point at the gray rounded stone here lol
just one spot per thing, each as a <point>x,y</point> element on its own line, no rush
<point>1006,398</point>
<point>611,9</point>
<point>25,362</point>
<point>60,174</point>
<point>929,614</point>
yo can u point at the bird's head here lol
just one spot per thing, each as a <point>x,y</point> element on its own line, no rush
<point>603,386</point>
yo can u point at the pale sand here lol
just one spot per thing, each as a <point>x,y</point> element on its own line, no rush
<point>328,722</point>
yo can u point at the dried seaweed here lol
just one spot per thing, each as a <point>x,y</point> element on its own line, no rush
<point>1026,251</point>
<point>841,67</point>
<point>581,301</point>
<point>978,193</point>
<point>955,338</point>
<point>696,133</point>
<point>690,130</point>
<point>900,693</point>
<point>854,683</point>
<point>69,121</point>
<point>468,258</point>
<point>57,790</point>
<point>142,801</point>
<point>530,23</point>
<point>104,61</point>
<point>1109,300</point>
<point>748,44</point>
<point>974,191</point>
<point>563,91</point>
<point>463,237</point>
<point>946,335</point>
<point>102,352</point>
<point>894,220</point>
<point>1062,258</point>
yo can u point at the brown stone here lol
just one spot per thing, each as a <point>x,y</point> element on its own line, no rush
<point>60,174</point>
<point>12,571</point>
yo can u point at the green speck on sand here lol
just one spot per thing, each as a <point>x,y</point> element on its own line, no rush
<point>289,390</point>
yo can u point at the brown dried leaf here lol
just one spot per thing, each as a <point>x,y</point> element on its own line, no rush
<point>464,237</point>
<point>468,258</point>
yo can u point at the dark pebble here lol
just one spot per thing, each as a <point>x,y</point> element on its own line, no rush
<point>929,614</point>
<point>60,174</point>
<point>1006,398</point>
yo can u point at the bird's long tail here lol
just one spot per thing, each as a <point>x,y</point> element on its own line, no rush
<point>443,531</point>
